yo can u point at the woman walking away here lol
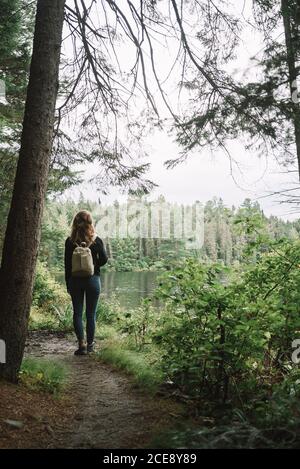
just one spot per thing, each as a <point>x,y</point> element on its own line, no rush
<point>84,254</point>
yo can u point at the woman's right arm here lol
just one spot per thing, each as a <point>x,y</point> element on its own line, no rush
<point>68,262</point>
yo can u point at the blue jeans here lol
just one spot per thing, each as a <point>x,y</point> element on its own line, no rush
<point>90,287</point>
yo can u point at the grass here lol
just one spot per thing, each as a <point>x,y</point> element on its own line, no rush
<point>59,320</point>
<point>115,352</point>
<point>105,332</point>
<point>119,350</point>
<point>43,375</point>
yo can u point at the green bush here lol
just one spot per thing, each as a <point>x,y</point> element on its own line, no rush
<point>139,324</point>
<point>51,304</point>
<point>230,340</point>
<point>47,293</point>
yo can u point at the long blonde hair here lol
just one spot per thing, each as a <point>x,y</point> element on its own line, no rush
<point>83,229</point>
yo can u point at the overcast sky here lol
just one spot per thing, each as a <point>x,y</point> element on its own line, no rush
<point>204,176</point>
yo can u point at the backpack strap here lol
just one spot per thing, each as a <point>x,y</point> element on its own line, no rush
<point>85,244</point>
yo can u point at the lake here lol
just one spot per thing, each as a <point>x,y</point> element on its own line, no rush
<point>128,287</point>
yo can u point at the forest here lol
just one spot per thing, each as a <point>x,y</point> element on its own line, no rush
<point>195,347</point>
<point>225,237</point>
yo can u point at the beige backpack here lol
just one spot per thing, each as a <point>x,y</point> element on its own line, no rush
<point>82,261</point>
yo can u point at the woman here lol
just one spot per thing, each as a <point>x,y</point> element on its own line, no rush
<point>83,231</point>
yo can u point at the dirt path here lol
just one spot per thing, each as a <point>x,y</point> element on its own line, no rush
<point>108,410</point>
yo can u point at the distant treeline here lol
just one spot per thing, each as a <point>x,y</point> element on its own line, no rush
<point>225,236</point>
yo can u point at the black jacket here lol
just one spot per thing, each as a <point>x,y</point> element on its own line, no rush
<point>98,253</point>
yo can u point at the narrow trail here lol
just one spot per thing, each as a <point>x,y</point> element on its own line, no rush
<point>108,410</point>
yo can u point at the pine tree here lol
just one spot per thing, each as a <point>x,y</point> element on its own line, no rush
<point>24,221</point>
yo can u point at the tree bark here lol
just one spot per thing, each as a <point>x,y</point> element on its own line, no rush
<point>24,220</point>
<point>291,56</point>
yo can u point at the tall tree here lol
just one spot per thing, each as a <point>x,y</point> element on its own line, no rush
<point>17,18</point>
<point>24,220</point>
<point>290,10</point>
<point>15,51</point>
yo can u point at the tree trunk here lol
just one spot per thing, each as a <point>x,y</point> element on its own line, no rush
<point>290,41</point>
<point>24,220</point>
<point>144,247</point>
<point>109,248</point>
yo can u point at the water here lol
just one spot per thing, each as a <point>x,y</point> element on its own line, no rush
<point>128,287</point>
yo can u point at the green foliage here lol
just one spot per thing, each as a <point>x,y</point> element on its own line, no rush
<point>272,423</point>
<point>231,236</point>
<point>44,375</point>
<point>51,304</point>
<point>108,312</point>
<point>139,324</point>
<point>55,229</point>
<point>230,339</point>
<point>234,435</point>
<point>191,333</point>
<point>125,255</point>
<point>63,317</point>
<point>127,341</point>
<point>47,293</point>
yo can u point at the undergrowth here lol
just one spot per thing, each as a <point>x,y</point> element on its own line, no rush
<point>44,375</point>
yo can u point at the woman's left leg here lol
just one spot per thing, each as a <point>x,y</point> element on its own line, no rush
<point>76,288</point>
<point>92,292</point>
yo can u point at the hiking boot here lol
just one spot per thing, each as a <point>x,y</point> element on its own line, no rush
<point>81,350</point>
<point>90,347</point>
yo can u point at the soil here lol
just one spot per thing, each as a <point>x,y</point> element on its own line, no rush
<point>101,407</point>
